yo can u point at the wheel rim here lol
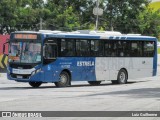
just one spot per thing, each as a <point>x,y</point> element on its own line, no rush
<point>63,78</point>
<point>122,77</point>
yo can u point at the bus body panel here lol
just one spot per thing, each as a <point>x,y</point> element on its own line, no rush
<point>81,69</point>
<point>91,68</point>
<point>108,68</point>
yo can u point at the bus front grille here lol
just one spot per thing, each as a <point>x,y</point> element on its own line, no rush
<point>20,76</point>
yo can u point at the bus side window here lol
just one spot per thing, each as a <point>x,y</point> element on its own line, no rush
<point>120,48</point>
<point>106,52</point>
<point>94,48</point>
<point>67,47</point>
<point>97,48</point>
<point>134,49</point>
<point>148,49</point>
<point>82,48</point>
<point>113,48</point>
<point>127,47</point>
<point>50,51</point>
<point>109,49</point>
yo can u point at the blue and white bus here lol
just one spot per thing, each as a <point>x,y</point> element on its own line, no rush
<point>93,56</point>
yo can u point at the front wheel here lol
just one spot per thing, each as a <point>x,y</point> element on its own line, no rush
<point>122,77</point>
<point>64,80</point>
<point>94,82</point>
<point>35,84</point>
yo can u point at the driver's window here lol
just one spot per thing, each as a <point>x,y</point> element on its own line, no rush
<point>50,51</point>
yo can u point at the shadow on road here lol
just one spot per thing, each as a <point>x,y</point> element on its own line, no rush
<point>139,93</point>
<point>51,87</point>
<point>134,93</point>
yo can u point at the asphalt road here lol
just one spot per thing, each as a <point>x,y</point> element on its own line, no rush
<point>137,95</point>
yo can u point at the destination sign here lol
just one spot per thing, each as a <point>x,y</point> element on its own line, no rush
<point>25,36</point>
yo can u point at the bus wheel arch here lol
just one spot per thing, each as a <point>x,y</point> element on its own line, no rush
<point>64,79</point>
<point>35,84</point>
<point>122,76</point>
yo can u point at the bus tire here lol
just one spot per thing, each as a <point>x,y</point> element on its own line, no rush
<point>94,82</point>
<point>64,80</point>
<point>35,84</point>
<point>122,77</point>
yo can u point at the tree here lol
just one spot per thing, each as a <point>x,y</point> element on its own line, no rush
<point>121,15</point>
<point>126,16</point>
<point>62,16</point>
<point>29,13</point>
<point>8,15</point>
<point>149,22</point>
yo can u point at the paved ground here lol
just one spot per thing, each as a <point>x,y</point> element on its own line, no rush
<point>138,95</point>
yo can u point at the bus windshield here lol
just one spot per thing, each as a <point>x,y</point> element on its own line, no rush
<point>25,52</point>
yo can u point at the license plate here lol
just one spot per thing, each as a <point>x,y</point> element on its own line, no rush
<point>18,76</point>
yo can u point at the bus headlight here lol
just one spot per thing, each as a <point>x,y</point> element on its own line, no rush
<point>39,70</point>
<point>36,71</point>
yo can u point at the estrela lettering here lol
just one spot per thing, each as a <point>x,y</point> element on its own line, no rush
<point>85,63</point>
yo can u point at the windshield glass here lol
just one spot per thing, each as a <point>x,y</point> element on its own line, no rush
<point>25,52</point>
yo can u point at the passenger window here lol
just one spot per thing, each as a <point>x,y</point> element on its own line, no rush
<point>96,48</point>
<point>67,47</point>
<point>82,48</point>
<point>120,50</point>
<point>126,48</point>
<point>136,49</point>
<point>149,49</point>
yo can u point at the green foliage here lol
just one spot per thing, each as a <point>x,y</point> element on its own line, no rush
<point>8,13</point>
<point>149,22</point>
<point>127,16</point>
<point>63,17</point>
<point>122,16</point>
<point>158,50</point>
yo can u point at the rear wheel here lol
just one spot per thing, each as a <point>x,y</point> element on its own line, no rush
<point>35,84</point>
<point>122,77</point>
<point>64,80</point>
<point>94,82</point>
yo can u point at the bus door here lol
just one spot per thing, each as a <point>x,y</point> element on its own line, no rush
<point>50,53</point>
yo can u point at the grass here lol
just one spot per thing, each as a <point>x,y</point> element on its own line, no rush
<point>158,50</point>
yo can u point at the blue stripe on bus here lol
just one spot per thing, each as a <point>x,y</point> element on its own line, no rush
<point>155,61</point>
<point>99,37</point>
<point>80,36</point>
<point>75,36</point>
<point>133,38</point>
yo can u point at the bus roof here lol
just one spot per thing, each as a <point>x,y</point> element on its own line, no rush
<point>86,34</point>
